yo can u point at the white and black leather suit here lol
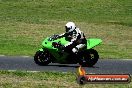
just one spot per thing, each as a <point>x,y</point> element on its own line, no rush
<point>76,39</point>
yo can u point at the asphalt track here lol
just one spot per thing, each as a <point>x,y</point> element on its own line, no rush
<point>112,66</point>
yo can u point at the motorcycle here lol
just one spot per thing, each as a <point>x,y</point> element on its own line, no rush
<point>52,51</point>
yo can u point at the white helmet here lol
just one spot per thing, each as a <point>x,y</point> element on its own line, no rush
<point>70,26</point>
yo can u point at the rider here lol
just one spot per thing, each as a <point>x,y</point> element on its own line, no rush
<point>76,37</point>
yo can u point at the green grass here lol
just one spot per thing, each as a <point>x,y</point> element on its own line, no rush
<point>23,79</point>
<point>25,23</point>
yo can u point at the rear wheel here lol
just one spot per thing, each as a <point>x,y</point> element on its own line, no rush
<point>42,58</point>
<point>89,58</point>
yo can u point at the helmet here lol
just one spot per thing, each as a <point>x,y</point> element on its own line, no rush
<point>70,26</point>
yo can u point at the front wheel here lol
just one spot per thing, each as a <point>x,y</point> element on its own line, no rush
<point>42,58</point>
<point>89,58</point>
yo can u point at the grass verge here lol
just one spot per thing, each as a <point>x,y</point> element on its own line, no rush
<point>24,24</point>
<point>23,79</point>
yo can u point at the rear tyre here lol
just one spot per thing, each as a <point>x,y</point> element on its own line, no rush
<point>42,58</point>
<point>89,58</point>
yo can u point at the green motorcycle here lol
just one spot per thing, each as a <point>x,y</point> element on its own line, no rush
<point>52,52</point>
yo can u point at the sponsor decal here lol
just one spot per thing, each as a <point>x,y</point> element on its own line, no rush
<point>84,78</point>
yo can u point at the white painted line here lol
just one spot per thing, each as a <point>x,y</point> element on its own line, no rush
<point>25,56</point>
<point>23,71</point>
<point>33,71</point>
<point>64,72</point>
<point>91,73</point>
<point>2,55</point>
<point>32,56</point>
<point>126,59</point>
<point>11,70</point>
<point>15,56</point>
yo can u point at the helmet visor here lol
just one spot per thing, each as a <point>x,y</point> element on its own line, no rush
<point>67,28</point>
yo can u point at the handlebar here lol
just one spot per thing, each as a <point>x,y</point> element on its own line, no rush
<point>53,37</point>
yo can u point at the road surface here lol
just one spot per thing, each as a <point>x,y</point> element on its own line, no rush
<point>103,66</point>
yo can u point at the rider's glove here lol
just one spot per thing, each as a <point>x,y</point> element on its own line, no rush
<point>56,36</point>
<point>75,50</point>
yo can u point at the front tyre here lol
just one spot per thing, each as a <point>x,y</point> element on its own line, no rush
<point>42,58</point>
<point>89,58</point>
